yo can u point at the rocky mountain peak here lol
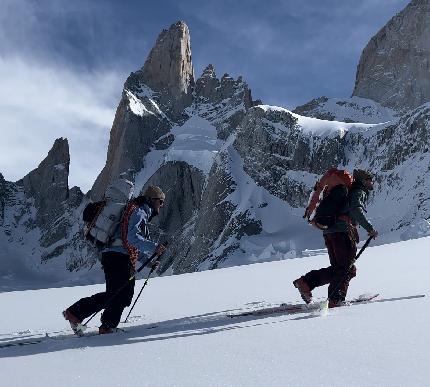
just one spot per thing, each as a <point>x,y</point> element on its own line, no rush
<point>209,72</point>
<point>207,85</point>
<point>394,68</point>
<point>169,69</point>
<point>47,186</point>
<point>53,170</point>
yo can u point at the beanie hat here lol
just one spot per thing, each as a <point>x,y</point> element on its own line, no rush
<point>154,192</point>
<point>361,175</point>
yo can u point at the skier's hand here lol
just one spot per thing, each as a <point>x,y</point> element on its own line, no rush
<point>155,264</point>
<point>307,213</point>
<point>373,234</point>
<point>160,250</point>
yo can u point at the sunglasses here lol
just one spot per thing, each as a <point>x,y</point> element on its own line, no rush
<point>160,200</point>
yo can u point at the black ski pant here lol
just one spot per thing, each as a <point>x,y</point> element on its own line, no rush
<point>118,270</point>
<point>342,250</point>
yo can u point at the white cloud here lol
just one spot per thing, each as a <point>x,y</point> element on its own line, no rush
<point>39,103</point>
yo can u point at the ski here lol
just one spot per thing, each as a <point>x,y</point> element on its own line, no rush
<point>37,339</point>
<point>54,336</point>
<point>300,308</point>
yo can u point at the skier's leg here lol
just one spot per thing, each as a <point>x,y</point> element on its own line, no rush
<point>343,269</point>
<point>323,276</point>
<point>87,306</point>
<point>315,278</point>
<point>117,275</point>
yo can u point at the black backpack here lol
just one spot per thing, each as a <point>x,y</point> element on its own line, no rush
<point>330,207</point>
<point>92,210</point>
<point>89,216</point>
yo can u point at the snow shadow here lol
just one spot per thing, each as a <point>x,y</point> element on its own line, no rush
<point>203,324</point>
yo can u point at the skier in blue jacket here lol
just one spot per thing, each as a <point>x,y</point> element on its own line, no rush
<point>130,243</point>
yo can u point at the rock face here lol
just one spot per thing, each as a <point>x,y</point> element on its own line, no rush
<point>132,135</point>
<point>394,68</point>
<point>223,102</point>
<point>399,153</point>
<point>3,197</point>
<point>153,100</point>
<point>272,143</point>
<point>48,186</point>
<point>38,214</point>
<point>169,69</point>
<point>184,193</point>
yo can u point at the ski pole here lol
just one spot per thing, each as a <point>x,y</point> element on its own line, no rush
<point>325,305</point>
<point>363,248</point>
<point>120,289</point>
<point>146,281</point>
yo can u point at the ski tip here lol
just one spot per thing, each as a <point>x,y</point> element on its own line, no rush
<point>366,296</point>
<point>323,308</point>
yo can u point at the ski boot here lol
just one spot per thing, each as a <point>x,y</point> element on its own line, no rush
<point>77,328</point>
<point>304,289</point>
<point>105,330</point>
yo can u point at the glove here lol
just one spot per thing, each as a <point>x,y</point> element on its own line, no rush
<point>155,265</point>
<point>373,233</point>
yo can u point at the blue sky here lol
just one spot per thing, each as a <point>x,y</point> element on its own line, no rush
<point>63,63</point>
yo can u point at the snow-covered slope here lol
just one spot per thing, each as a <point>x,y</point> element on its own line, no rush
<point>354,109</point>
<point>183,337</point>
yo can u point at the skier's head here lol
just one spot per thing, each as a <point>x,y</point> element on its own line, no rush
<point>155,197</point>
<point>364,177</point>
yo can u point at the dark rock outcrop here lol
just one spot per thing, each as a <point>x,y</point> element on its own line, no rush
<point>394,68</point>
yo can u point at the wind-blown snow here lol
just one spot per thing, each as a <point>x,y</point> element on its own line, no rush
<point>195,142</point>
<point>319,127</point>
<point>193,343</point>
<point>355,109</point>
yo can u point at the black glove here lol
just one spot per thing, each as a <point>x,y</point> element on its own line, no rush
<point>155,264</point>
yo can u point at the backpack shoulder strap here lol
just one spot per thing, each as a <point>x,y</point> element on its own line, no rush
<point>132,250</point>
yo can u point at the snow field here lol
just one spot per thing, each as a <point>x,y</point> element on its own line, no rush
<point>196,344</point>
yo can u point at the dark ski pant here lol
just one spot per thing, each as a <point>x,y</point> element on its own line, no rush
<point>342,250</point>
<point>118,269</point>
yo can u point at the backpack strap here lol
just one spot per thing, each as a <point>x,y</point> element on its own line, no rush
<point>132,250</point>
<point>94,220</point>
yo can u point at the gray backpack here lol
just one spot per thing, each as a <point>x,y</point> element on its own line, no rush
<point>104,217</point>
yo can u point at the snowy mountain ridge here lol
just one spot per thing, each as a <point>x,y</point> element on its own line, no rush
<point>237,173</point>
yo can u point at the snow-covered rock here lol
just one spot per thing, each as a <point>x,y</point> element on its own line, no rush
<point>354,109</point>
<point>237,175</point>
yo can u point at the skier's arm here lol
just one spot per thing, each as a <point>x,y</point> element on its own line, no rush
<point>356,211</point>
<point>134,235</point>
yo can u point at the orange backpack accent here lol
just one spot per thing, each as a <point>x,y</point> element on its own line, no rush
<point>330,179</point>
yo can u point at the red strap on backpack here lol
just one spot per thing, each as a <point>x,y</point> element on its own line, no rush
<point>132,250</point>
